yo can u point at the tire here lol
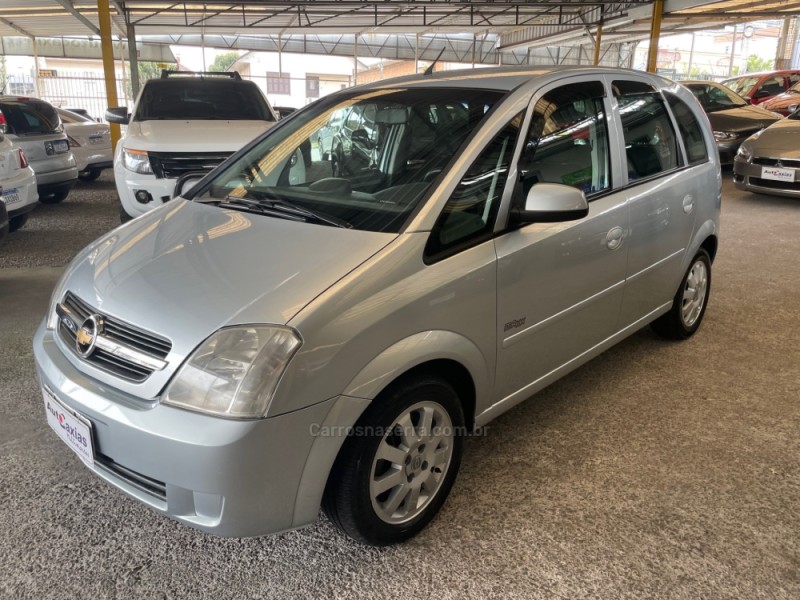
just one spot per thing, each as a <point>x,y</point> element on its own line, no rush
<point>689,304</point>
<point>124,217</point>
<point>355,498</point>
<point>89,174</point>
<point>55,197</point>
<point>15,223</point>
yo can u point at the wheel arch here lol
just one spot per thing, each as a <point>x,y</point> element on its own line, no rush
<point>443,354</point>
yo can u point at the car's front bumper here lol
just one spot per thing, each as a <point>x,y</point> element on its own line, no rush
<point>226,477</point>
<point>129,183</point>
<point>747,176</point>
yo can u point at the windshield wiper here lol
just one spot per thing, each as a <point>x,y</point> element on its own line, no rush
<point>278,207</point>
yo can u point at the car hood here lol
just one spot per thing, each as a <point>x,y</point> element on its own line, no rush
<point>780,140</point>
<point>186,269</point>
<point>743,118</point>
<point>782,100</point>
<point>192,136</point>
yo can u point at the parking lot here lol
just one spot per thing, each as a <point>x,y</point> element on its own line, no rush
<point>657,470</point>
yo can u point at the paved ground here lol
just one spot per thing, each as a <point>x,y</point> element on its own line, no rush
<point>659,470</point>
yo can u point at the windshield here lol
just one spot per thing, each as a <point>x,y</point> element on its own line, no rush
<point>364,159</point>
<point>202,99</point>
<point>713,96</point>
<point>30,117</point>
<point>741,85</point>
<point>71,117</point>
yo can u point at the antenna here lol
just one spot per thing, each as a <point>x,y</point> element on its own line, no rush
<point>429,70</point>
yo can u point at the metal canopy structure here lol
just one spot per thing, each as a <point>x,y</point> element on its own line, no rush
<point>466,30</point>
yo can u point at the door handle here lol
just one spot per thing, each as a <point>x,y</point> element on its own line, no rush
<point>614,238</point>
<point>688,203</point>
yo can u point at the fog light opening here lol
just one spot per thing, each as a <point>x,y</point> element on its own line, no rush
<point>143,196</point>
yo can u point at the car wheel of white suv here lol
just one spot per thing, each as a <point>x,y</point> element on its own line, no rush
<point>399,463</point>
<point>690,302</point>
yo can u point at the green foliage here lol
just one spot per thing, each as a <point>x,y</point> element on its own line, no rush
<point>149,70</point>
<point>756,63</point>
<point>223,62</point>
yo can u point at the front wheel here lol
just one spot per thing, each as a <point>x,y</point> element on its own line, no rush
<point>16,223</point>
<point>689,305</point>
<point>398,465</point>
<point>55,197</point>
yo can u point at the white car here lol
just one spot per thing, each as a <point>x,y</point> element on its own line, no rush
<point>17,183</point>
<point>182,123</point>
<point>90,143</point>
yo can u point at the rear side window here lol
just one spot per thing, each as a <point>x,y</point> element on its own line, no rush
<point>650,144</point>
<point>30,117</point>
<point>690,130</point>
<point>771,86</point>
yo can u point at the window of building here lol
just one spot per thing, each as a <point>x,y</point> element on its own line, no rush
<point>312,86</point>
<point>279,83</point>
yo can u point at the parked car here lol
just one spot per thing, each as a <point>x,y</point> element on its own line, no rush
<point>769,161</point>
<point>84,113</point>
<point>732,118</point>
<point>182,123</point>
<point>284,111</point>
<point>760,87</point>
<point>34,126</point>
<point>785,103</point>
<point>90,143</point>
<point>17,183</point>
<point>4,225</point>
<point>281,338</point>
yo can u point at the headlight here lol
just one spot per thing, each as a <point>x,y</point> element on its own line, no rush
<point>234,373</point>
<point>136,161</point>
<point>722,136</point>
<point>743,152</point>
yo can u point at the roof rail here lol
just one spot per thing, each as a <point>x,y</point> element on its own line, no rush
<point>165,74</point>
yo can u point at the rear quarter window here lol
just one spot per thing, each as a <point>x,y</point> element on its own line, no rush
<point>689,128</point>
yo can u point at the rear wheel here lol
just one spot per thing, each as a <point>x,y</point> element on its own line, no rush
<point>15,223</point>
<point>689,304</point>
<point>397,468</point>
<point>54,198</point>
<point>89,174</point>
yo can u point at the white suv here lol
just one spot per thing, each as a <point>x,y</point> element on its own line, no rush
<point>182,123</point>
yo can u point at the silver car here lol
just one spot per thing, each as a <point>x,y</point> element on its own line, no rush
<point>280,338</point>
<point>34,126</point>
<point>769,161</point>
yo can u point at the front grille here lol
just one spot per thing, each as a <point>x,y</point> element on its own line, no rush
<point>793,186</point>
<point>118,331</point>
<point>773,162</point>
<point>140,482</point>
<point>171,165</point>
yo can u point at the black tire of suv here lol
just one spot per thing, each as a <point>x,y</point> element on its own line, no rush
<point>671,325</point>
<point>124,217</point>
<point>16,223</point>
<point>347,500</point>
<point>89,175</point>
<point>55,197</point>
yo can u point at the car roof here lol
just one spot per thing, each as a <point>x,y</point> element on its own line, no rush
<point>763,73</point>
<point>498,78</point>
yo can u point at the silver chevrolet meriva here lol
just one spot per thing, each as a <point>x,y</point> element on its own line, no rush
<point>320,326</point>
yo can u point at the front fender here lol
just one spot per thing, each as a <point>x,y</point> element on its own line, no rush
<point>363,389</point>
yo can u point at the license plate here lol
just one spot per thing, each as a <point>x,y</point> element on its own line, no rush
<point>11,196</point>
<point>60,146</point>
<point>777,174</point>
<point>73,429</point>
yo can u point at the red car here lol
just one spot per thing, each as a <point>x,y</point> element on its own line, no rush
<point>785,103</point>
<point>760,87</point>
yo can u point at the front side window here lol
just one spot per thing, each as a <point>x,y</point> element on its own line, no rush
<point>363,159</point>
<point>741,85</point>
<point>567,140</point>
<point>771,86</point>
<point>690,129</point>
<point>470,213</point>
<point>650,144</point>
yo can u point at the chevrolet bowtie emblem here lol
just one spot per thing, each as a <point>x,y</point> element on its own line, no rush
<point>87,334</point>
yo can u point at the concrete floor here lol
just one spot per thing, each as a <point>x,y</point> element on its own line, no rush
<point>659,470</point>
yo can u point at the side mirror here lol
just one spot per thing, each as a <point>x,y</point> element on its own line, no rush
<point>551,203</point>
<point>186,182</point>
<point>791,108</point>
<point>118,114</point>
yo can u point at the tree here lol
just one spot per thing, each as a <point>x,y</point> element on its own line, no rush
<point>222,62</point>
<point>149,70</point>
<point>756,63</point>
